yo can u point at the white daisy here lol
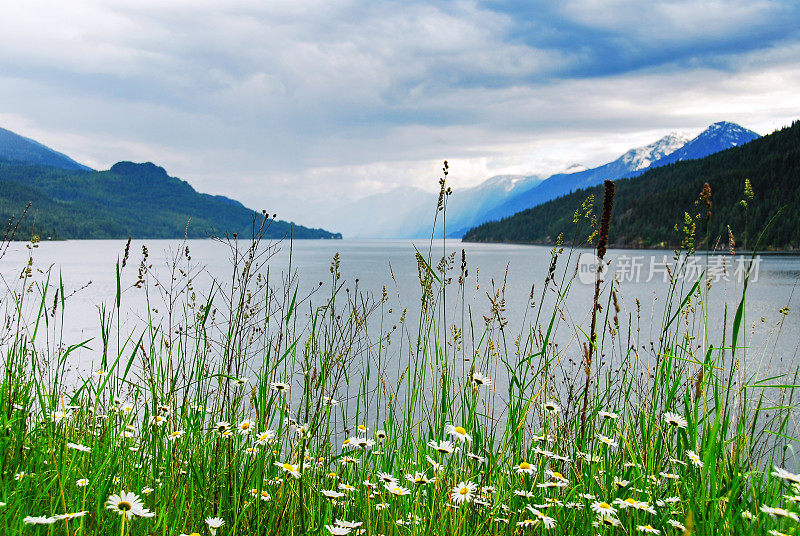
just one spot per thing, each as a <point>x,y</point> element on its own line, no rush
<point>459,432</point>
<point>128,504</point>
<point>463,492</point>
<point>674,419</point>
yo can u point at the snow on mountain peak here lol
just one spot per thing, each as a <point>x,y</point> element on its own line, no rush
<point>642,157</point>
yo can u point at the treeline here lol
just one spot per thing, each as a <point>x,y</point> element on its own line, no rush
<point>129,199</point>
<point>648,208</point>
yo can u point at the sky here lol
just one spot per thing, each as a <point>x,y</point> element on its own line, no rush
<point>298,107</point>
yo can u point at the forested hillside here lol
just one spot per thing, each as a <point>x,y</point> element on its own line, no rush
<point>129,199</point>
<point>647,209</point>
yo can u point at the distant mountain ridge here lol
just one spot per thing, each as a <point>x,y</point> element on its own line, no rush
<point>70,201</point>
<point>408,211</point>
<point>25,150</point>
<point>671,148</point>
<point>649,210</point>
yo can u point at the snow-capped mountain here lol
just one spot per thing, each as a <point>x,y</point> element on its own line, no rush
<point>671,148</point>
<point>643,157</point>
<point>719,136</point>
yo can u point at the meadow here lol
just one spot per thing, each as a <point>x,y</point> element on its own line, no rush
<point>251,408</point>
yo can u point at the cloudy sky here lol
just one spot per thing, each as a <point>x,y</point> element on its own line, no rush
<point>297,106</point>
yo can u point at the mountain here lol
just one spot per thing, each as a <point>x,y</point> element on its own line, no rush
<point>139,200</point>
<point>648,209</point>
<point>25,150</point>
<point>671,148</point>
<point>408,212</point>
<point>719,136</point>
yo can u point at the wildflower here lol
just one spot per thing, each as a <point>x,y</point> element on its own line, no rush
<point>348,524</point>
<point>264,496</point>
<point>245,427</point>
<point>388,479</point>
<point>603,508</point>
<point>398,490</point>
<point>555,475</point>
<point>252,451</point>
<point>463,492</point>
<point>362,442</point>
<point>607,521</point>
<point>214,523</point>
<point>332,494</point>
<point>147,490</point>
<point>59,416</point>
<point>620,482</point>
<point>673,419</point>
<point>610,415</point>
<point>362,429</point>
<point>82,482</point>
<point>128,504</point>
<point>606,440</point>
<point>527,523</point>
<point>692,455</point>
<point>293,470</point>
<point>783,474</point>
<point>157,420</point>
<point>647,529</point>
<point>480,380</point>
<point>279,387</point>
<point>380,435</point>
<point>676,524</point>
<point>420,478</point>
<point>459,432</point>
<point>445,447</point>
<point>72,515</point>
<point>240,382</point>
<point>175,435</point>
<point>551,407</point>
<point>222,426</point>
<point>265,437</point>
<point>774,532</point>
<point>39,520</point>
<point>381,506</point>
<point>747,514</point>
<point>779,512</point>
<point>436,465</point>
<point>479,459</point>
<point>337,531</point>
<point>19,476</point>
<point>76,446</point>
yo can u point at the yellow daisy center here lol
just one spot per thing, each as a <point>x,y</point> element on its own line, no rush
<point>124,506</point>
<point>288,467</point>
<point>464,490</point>
<point>524,465</point>
<point>604,505</point>
<point>461,430</point>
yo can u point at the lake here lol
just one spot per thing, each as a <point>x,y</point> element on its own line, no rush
<point>87,269</point>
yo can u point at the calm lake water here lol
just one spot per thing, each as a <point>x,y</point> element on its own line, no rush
<point>87,269</point>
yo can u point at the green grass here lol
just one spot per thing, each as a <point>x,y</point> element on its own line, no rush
<point>405,372</point>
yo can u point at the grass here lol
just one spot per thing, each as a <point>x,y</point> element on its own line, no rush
<point>249,408</point>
